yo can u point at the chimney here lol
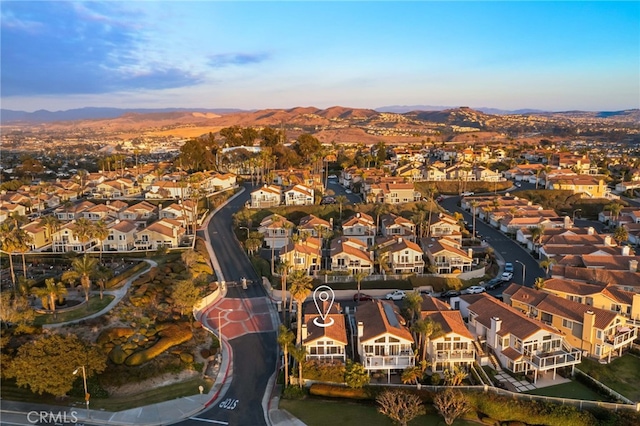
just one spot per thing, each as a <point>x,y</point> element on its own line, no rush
<point>496,324</point>
<point>608,241</point>
<point>587,325</point>
<point>358,214</point>
<point>590,230</point>
<point>633,265</point>
<point>304,332</point>
<point>399,239</point>
<point>470,252</point>
<point>626,251</point>
<point>635,307</point>
<point>360,329</point>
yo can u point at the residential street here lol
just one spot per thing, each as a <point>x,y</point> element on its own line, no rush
<point>509,249</point>
<point>254,354</point>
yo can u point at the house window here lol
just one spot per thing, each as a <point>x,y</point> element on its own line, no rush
<point>505,342</point>
<point>599,334</point>
<point>567,324</point>
<point>548,318</point>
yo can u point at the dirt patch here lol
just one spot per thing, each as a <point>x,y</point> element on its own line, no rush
<point>154,382</point>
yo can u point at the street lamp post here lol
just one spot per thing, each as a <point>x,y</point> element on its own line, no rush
<point>86,392</point>
<point>244,227</point>
<point>524,271</point>
<point>574,216</point>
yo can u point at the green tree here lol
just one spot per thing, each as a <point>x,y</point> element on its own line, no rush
<point>300,355</point>
<point>300,290</point>
<point>16,310</point>
<point>355,375</point>
<point>83,230</point>
<point>47,363</point>
<point>283,270</point>
<point>51,224</point>
<point>307,146</point>
<point>341,200</point>
<point>285,340</point>
<point>399,405</point>
<point>451,404</point>
<point>52,292</point>
<point>185,295</point>
<point>539,283</point>
<point>620,234</point>
<point>547,264</point>
<point>455,377</point>
<point>100,232</point>
<point>189,257</point>
<point>359,276</point>
<point>412,304</point>
<point>424,329</point>
<point>82,268</point>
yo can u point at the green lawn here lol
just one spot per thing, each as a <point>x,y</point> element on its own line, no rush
<point>573,390</point>
<point>622,375</point>
<point>95,305</point>
<point>315,412</point>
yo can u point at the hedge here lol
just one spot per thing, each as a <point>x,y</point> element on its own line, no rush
<point>119,279</point>
<point>170,336</point>
<point>334,391</point>
<point>114,333</point>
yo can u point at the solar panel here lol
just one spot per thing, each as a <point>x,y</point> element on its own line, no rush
<point>392,319</point>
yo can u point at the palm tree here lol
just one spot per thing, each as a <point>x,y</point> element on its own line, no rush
<point>50,294</point>
<point>300,354</point>
<point>425,329</point>
<point>83,231</point>
<point>83,268</point>
<point>536,236</point>
<point>474,205</point>
<point>300,289</point>
<point>285,340</point>
<point>412,303</point>
<point>101,232</point>
<point>51,223</point>
<point>615,209</point>
<point>547,264</point>
<point>359,276</point>
<point>283,269</point>
<point>621,234</point>
<point>341,200</point>
<point>412,375</point>
<point>539,283</point>
<point>9,245</point>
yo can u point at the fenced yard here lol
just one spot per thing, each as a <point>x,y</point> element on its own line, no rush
<point>622,374</point>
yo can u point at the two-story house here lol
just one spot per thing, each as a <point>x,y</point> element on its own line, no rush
<point>299,195</point>
<point>161,233</point>
<point>598,332</point>
<point>400,256</point>
<point>267,196</point>
<point>447,256</point>
<point>324,343</point>
<point>361,227</point>
<point>349,254</point>
<point>453,346</point>
<point>122,236</point>
<point>392,225</point>
<point>522,344</point>
<point>384,343</point>
<point>314,226</point>
<point>303,255</point>
<point>276,230</point>
<point>444,225</point>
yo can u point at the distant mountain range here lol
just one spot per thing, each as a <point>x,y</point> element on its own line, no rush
<point>400,109</point>
<point>89,113</point>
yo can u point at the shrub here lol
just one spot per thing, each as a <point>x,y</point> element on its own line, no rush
<point>435,379</point>
<point>169,337</point>
<point>355,375</point>
<point>294,392</point>
<point>114,333</point>
<point>117,355</point>
<point>323,371</point>
<point>335,391</point>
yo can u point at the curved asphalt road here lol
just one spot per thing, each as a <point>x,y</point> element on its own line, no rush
<point>509,249</point>
<point>254,355</point>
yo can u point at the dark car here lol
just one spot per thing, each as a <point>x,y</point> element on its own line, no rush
<point>363,297</point>
<point>450,293</point>
<point>494,283</point>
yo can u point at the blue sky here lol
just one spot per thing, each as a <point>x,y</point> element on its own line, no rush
<point>250,55</point>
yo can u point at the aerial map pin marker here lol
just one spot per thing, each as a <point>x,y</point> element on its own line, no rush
<point>321,295</point>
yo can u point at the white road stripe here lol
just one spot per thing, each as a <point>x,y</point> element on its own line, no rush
<point>208,420</point>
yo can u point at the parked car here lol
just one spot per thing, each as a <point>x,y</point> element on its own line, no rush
<point>396,295</point>
<point>475,289</point>
<point>506,276</point>
<point>450,293</point>
<point>332,177</point>
<point>426,293</point>
<point>440,198</point>
<point>348,191</point>
<point>494,283</point>
<point>508,267</point>
<point>467,193</point>
<point>363,297</point>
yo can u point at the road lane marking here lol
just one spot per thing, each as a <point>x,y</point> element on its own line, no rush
<point>200,419</point>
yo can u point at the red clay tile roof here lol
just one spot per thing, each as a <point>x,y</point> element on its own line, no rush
<point>374,318</point>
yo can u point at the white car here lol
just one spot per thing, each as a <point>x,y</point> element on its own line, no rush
<point>348,191</point>
<point>396,295</point>
<point>506,276</point>
<point>475,289</point>
<point>332,177</point>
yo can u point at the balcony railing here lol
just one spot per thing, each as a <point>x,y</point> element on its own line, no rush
<point>621,338</point>
<point>455,355</point>
<point>556,359</point>
<point>373,362</point>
